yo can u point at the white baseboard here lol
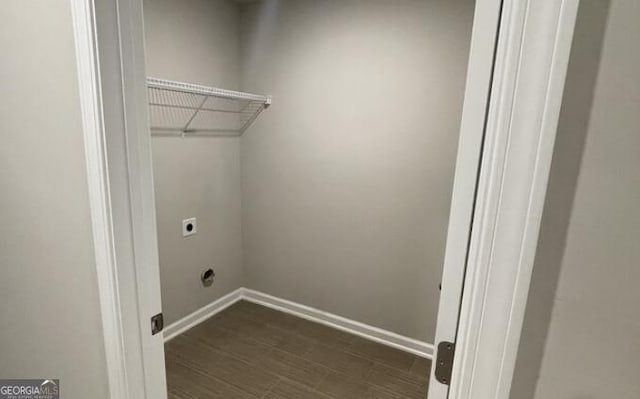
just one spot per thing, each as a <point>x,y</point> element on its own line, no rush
<point>178,327</point>
<point>366,331</point>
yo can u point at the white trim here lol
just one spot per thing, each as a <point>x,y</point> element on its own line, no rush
<point>534,44</point>
<point>531,61</point>
<point>110,59</point>
<point>129,146</point>
<point>365,331</point>
<point>99,195</point>
<point>484,34</point>
<point>188,322</point>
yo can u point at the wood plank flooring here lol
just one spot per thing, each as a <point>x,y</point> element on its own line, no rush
<point>249,351</point>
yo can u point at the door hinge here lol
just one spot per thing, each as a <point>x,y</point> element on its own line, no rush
<point>157,323</point>
<point>444,362</point>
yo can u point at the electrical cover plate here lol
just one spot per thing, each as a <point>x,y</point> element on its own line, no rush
<point>189,227</point>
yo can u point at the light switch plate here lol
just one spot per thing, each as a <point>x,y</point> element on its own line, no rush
<point>189,227</point>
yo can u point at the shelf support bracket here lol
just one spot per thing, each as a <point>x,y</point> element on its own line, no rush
<point>193,116</point>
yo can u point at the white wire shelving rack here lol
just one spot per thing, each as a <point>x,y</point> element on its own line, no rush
<point>180,109</point>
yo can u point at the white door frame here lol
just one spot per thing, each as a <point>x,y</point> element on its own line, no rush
<point>529,72</point>
<point>486,22</point>
<point>111,73</point>
<point>530,69</point>
<point>531,59</point>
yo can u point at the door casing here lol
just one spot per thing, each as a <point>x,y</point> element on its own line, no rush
<point>482,309</point>
<point>531,59</point>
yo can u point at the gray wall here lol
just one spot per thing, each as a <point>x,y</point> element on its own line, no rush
<point>49,306</point>
<point>196,41</point>
<point>347,178</point>
<point>588,346</point>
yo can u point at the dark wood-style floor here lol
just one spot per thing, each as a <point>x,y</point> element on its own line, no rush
<point>250,351</point>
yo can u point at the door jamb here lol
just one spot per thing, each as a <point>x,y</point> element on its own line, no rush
<point>534,44</point>
<point>484,35</point>
<point>99,196</point>
<point>113,99</point>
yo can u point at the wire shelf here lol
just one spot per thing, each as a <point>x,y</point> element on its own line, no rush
<point>178,108</point>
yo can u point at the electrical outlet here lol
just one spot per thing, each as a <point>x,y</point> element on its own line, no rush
<point>189,227</point>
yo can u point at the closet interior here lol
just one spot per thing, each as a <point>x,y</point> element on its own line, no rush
<point>303,155</point>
